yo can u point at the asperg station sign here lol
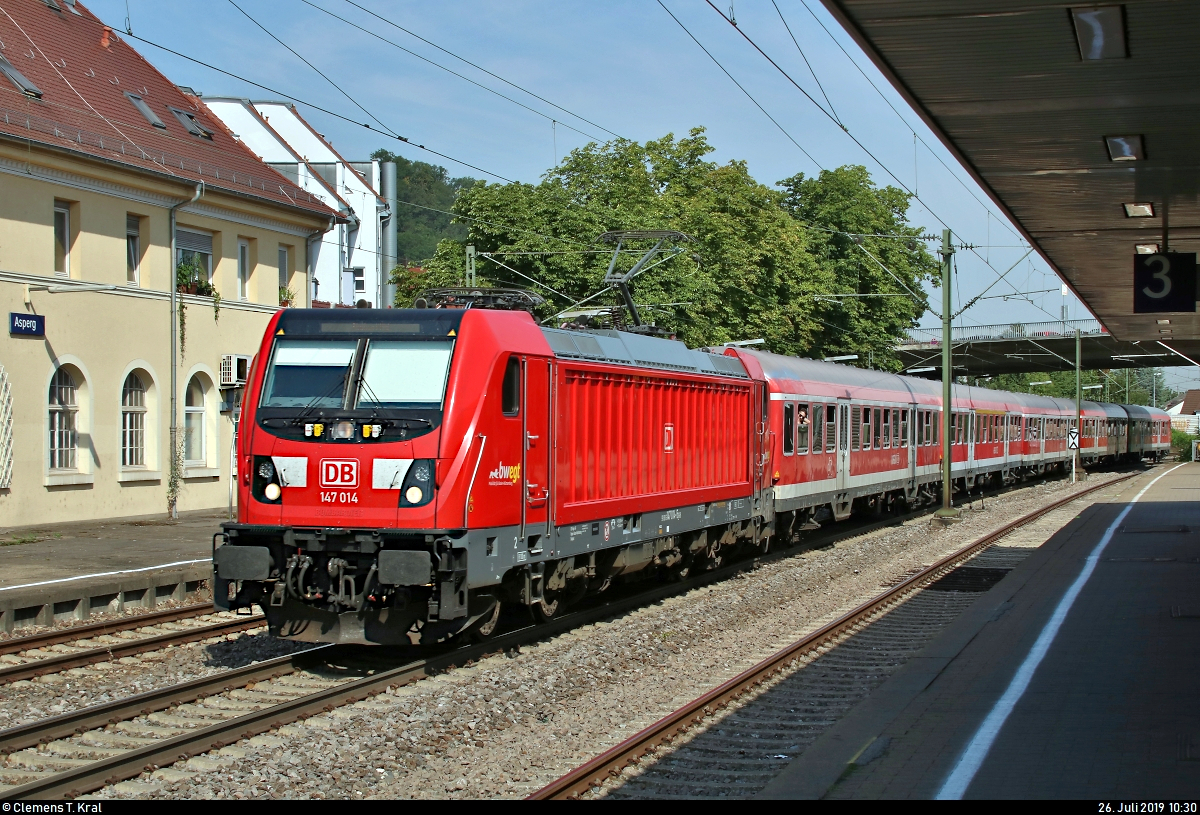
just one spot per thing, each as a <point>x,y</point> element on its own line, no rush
<point>31,325</point>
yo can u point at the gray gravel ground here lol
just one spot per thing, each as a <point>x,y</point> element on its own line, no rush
<point>510,724</point>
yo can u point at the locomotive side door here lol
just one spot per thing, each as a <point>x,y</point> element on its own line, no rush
<point>762,449</point>
<point>843,444</point>
<point>535,465</point>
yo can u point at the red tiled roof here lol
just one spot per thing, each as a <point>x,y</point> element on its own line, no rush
<point>84,108</point>
<point>1191,403</point>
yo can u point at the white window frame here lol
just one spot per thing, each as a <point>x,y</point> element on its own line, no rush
<point>63,417</point>
<point>133,256</point>
<point>193,410</point>
<point>64,209</point>
<point>285,266</point>
<point>134,424</point>
<point>243,259</point>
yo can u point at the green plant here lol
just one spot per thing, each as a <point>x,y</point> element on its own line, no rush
<point>175,475</point>
<point>182,329</point>
<point>216,306</point>
<point>1183,443</point>
<point>286,296</point>
<point>191,275</point>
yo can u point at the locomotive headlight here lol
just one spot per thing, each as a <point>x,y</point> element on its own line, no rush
<point>421,473</point>
<point>272,491</point>
<point>266,470</point>
<point>413,495</point>
<point>417,489</point>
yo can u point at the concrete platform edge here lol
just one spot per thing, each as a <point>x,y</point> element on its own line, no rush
<point>79,599</point>
<point>815,772</point>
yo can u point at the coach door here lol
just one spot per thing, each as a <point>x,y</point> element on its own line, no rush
<point>536,464</point>
<point>843,445</point>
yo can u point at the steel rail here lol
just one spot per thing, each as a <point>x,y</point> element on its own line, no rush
<point>613,760</point>
<point>87,778</point>
<point>77,659</point>
<point>83,632</point>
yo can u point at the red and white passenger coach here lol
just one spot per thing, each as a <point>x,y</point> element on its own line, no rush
<point>405,472</point>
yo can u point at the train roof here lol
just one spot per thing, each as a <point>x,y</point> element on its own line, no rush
<point>779,367</point>
<point>1144,412</point>
<point>624,348</point>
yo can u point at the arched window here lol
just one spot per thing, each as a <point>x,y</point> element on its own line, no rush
<point>194,421</point>
<point>64,411</point>
<point>133,422</point>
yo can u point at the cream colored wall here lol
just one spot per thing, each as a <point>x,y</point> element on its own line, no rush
<point>104,335</point>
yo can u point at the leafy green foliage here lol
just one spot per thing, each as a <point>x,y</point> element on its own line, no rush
<point>1143,383</point>
<point>419,230</point>
<point>1182,443</point>
<point>754,270</point>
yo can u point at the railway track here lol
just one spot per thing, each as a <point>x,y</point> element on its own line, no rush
<point>56,651</point>
<point>78,752</point>
<point>750,746</point>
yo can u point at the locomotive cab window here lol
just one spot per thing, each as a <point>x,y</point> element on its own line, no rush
<point>789,428</point>
<point>510,395</point>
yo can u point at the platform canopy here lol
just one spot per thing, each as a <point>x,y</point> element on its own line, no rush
<point>1080,121</point>
<point>1014,348</point>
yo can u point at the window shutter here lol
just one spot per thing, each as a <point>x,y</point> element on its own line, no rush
<point>194,241</point>
<point>133,224</point>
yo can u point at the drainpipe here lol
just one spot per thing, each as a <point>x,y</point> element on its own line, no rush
<point>173,507</point>
<point>310,259</point>
<point>390,233</point>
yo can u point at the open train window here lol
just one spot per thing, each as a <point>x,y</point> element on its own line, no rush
<point>802,423</point>
<point>510,397</point>
<point>789,428</point>
<point>866,429</point>
<point>831,428</point>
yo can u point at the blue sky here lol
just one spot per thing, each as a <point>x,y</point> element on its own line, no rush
<point>624,65</point>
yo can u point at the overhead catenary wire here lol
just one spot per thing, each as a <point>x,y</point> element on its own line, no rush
<point>321,73</point>
<point>394,44</point>
<point>861,146</point>
<point>385,20</point>
<point>314,106</point>
<point>806,62</point>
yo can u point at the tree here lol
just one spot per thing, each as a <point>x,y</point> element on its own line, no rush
<point>1112,385</point>
<point>753,271</point>
<point>423,185</point>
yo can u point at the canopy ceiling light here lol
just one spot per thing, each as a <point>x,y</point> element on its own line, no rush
<point>1100,31</point>
<point>1147,248</point>
<point>1139,210</point>
<point>1125,148</point>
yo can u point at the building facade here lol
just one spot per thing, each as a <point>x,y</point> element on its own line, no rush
<point>349,264</point>
<point>117,187</point>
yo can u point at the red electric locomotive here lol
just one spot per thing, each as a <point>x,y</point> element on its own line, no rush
<point>405,472</point>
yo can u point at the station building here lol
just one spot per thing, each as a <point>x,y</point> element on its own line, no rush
<point>105,167</point>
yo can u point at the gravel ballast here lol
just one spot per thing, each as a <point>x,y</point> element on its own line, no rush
<point>511,723</point>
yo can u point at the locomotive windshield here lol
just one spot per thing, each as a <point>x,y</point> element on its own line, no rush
<point>400,374</point>
<point>348,374</point>
<point>309,373</point>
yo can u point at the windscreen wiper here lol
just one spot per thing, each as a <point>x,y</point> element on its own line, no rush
<point>317,399</point>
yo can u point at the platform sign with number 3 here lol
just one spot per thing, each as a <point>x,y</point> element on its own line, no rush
<point>1164,282</point>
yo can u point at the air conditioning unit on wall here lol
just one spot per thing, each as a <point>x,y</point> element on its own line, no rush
<point>234,369</point>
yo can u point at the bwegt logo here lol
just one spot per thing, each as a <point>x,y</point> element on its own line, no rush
<point>506,472</point>
<point>339,472</point>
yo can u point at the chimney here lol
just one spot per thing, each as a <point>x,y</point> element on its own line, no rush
<point>105,37</point>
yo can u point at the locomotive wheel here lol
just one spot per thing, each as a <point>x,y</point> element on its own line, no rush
<point>488,627</point>
<point>544,611</point>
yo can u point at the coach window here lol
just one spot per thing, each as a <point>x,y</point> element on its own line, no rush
<point>801,429</point>
<point>904,428</point>
<point>818,433</point>
<point>831,429</point>
<point>877,429</point>
<point>510,397</point>
<point>887,427</point>
<point>866,429</point>
<point>789,428</point>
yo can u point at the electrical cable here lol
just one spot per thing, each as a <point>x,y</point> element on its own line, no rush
<point>861,146</point>
<point>743,90</point>
<point>485,70</point>
<point>322,74</point>
<point>806,62</point>
<point>447,70</point>
<point>269,89</point>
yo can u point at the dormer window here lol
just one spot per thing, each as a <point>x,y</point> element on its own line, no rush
<point>191,124</point>
<point>17,78</point>
<point>144,109</point>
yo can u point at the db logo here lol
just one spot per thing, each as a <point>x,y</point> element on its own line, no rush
<point>339,472</point>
